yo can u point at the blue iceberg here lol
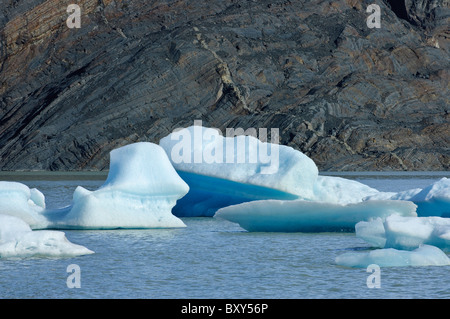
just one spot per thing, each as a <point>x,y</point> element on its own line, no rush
<point>434,200</point>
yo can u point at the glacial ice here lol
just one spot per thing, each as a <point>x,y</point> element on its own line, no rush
<point>425,255</point>
<point>18,240</point>
<point>433,200</point>
<point>310,216</point>
<point>223,171</point>
<point>243,159</point>
<point>17,199</point>
<point>139,192</point>
<point>340,190</point>
<point>406,233</point>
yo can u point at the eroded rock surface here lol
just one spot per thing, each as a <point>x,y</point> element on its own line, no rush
<point>350,97</point>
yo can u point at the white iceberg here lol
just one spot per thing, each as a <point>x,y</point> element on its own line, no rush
<point>340,190</point>
<point>17,199</point>
<point>18,240</point>
<point>141,189</point>
<point>425,255</point>
<point>433,200</point>
<point>406,232</point>
<point>309,216</point>
<point>223,171</point>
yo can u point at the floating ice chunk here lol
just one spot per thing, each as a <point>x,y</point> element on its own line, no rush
<point>17,239</point>
<point>340,190</point>
<point>433,200</point>
<point>406,232</point>
<point>242,159</point>
<point>16,199</point>
<point>425,255</point>
<point>307,216</point>
<point>140,191</point>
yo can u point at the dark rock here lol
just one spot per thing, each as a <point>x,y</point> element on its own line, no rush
<point>351,97</point>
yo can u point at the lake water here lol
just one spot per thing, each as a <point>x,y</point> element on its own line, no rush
<point>213,258</point>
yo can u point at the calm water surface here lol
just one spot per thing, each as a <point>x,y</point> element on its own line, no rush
<point>213,258</point>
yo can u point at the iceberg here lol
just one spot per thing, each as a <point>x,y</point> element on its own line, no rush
<point>433,200</point>
<point>406,233</point>
<point>17,199</point>
<point>140,191</point>
<point>425,255</point>
<point>18,240</point>
<point>340,190</point>
<point>310,216</point>
<point>223,171</point>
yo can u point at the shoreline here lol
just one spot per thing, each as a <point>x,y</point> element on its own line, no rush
<point>101,175</point>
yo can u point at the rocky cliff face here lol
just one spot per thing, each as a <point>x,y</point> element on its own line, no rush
<point>350,97</point>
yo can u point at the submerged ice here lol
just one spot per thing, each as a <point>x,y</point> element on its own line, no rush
<point>425,255</point>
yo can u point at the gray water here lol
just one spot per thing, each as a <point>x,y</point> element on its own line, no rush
<point>213,258</point>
